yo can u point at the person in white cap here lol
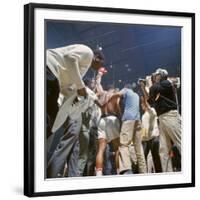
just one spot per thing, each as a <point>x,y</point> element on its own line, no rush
<point>162,98</point>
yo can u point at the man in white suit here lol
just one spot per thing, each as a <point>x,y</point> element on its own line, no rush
<point>65,67</point>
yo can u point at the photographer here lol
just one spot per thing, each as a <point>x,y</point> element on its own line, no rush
<point>162,98</point>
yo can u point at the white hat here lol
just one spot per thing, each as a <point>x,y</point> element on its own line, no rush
<point>162,72</point>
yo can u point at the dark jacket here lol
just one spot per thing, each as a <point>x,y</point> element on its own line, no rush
<point>166,100</point>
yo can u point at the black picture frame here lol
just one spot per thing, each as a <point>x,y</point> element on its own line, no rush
<point>29,97</point>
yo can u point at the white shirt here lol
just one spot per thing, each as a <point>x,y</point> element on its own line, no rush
<point>149,124</point>
<point>69,64</point>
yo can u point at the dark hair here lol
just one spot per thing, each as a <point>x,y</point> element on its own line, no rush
<point>99,54</point>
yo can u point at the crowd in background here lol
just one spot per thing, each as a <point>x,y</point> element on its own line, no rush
<point>95,131</point>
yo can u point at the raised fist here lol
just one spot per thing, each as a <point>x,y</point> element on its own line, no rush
<point>102,71</point>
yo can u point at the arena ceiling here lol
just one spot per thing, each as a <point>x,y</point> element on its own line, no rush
<point>131,51</point>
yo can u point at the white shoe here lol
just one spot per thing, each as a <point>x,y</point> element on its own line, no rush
<point>99,173</point>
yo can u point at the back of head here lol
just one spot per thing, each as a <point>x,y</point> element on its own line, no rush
<point>99,55</point>
<point>132,86</point>
<point>128,86</point>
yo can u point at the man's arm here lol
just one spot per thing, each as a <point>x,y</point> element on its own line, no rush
<point>154,93</point>
<point>144,91</point>
<point>99,87</point>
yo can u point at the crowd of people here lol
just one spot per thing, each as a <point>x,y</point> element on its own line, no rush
<point>96,131</point>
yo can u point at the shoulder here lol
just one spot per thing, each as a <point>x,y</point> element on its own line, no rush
<point>79,49</point>
<point>86,54</point>
<point>85,49</point>
<point>136,94</point>
<point>122,91</point>
<point>166,83</point>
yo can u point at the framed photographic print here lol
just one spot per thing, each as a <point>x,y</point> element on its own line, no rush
<point>108,99</point>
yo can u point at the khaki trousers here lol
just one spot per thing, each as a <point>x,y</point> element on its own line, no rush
<point>131,134</point>
<point>170,131</point>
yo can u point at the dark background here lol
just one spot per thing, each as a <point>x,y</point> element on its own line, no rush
<point>131,51</point>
